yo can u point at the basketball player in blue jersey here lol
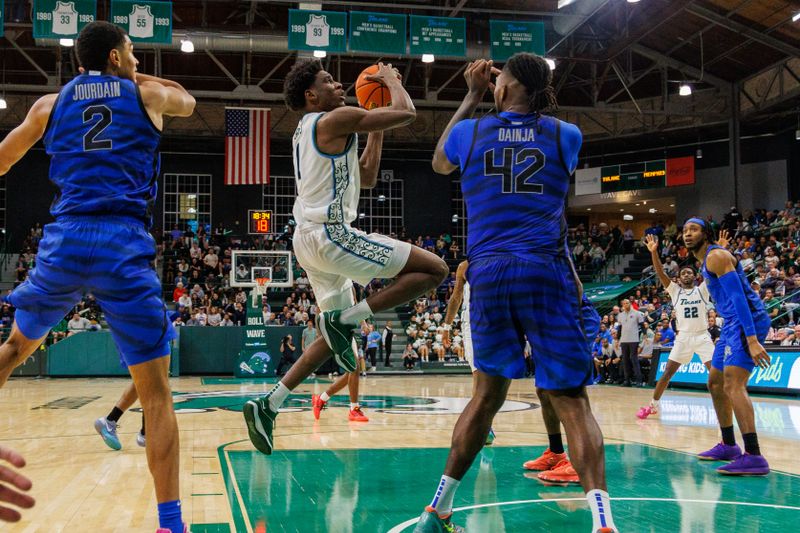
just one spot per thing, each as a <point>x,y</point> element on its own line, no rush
<point>515,172</point>
<point>102,133</point>
<point>329,174</point>
<point>737,352</point>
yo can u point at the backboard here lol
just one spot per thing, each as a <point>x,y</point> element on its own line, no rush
<point>247,265</point>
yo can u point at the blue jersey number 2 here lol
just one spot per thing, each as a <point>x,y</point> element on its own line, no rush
<point>90,140</point>
<point>533,160</point>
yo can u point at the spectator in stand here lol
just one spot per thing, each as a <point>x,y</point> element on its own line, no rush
<point>373,340</point>
<point>671,267</point>
<point>202,317</point>
<point>713,328</point>
<point>226,321</point>
<point>214,317</point>
<point>287,354</point>
<point>178,292</point>
<point>309,335</point>
<point>302,282</point>
<point>185,300</point>
<point>598,256</point>
<point>772,304</point>
<point>667,334</point>
<point>627,240</point>
<point>178,321</point>
<point>646,343</point>
<point>386,343</point>
<point>78,324</point>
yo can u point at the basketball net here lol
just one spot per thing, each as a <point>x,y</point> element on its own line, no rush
<point>259,291</point>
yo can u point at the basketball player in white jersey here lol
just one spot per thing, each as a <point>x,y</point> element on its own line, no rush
<point>460,300</point>
<point>329,175</point>
<point>690,302</point>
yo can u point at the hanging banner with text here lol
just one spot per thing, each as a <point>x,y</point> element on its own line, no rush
<point>317,30</point>
<point>378,32</point>
<point>54,19</point>
<point>2,14</point>
<point>145,22</point>
<point>635,176</point>
<point>440,36</point>
<point>509,37</point>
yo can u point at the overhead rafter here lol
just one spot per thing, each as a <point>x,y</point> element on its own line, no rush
<point>679,65</point>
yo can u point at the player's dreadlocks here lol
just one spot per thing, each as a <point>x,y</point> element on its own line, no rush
<point>298,81</point>
<point>534,73</point>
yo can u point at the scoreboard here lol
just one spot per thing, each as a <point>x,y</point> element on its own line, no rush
<point>259,222</point>
<point>656,174</point>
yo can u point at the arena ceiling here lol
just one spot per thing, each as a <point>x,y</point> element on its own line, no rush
<point>618,64</point>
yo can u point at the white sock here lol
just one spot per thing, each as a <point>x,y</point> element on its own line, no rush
<point>354,315</point>
<point>277,396</point>
<point>600,506</point>
<point>353,405</point>
<point>443,499</point>
<point>654,403</point>
<point>324,396</point>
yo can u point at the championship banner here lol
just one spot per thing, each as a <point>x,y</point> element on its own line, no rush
<point>317,30</point>
<point>2,14</point>
<point>440,36</point>
<point>656,174</point>
<point>55,19</point>
<point>145,21</point>
<point>378,32</point>
<point>509,37</point>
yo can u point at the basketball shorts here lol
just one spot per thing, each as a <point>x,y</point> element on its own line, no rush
<point>537,297</point>
<point>335,255</point>
<point>688,343</point>
<point>109,257</point>
<point>731,348</point>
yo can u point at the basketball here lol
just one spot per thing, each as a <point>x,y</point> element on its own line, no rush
<point>371,94</point>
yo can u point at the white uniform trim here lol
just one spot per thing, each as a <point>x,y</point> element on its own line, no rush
<point>466,332</point>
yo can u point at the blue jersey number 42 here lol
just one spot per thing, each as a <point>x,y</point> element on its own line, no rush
<point>528,160</point>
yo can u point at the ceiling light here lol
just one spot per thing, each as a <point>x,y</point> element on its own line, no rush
<point>428,58</point>
<point>66,42</point>
<point>685,89</point>
<point>652,210</point>
<point>672,205</point>
<point>627,217</point>
<point>633,1</point>
<point>622,210</point>
<point>637,205</point>
<point>796,17</point>
<point>550,63</point>
<point>644,202</point>
<point>588,208</point>
<point>796,134</point>
<point>381,198</point>
<point>699,153</point>
<point>454,219</point>
<point>319,54</point>
<point>3,103</point>
<point>187,46</point>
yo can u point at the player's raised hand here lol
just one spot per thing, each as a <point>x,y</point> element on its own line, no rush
<point>724,238</point>
<point>13,486</point>
<point>478,75</point>
<point>759,354</point>
<point>651,241</point>
<point>385,72</point>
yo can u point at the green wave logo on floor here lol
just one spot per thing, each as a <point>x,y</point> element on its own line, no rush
<point>199,402</point>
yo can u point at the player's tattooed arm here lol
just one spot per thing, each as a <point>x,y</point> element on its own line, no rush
<point>23,137</point>
<point>478,76</point>
<point>651,241</point>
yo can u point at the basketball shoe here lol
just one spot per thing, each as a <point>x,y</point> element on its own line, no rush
<point>260,420</point>
<point>357,415</point>
<point>339,337</point>
<point>318,405</point>
<point>108,430</point>
<point>746,465</point>
<point>563,472</point>
<point>431,522</point>
<point>165,530</point>
<point>721,452</point>
<point>547,461</point>
<point>644,412</point>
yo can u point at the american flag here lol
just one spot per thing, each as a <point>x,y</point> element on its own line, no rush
<point>246,146</point>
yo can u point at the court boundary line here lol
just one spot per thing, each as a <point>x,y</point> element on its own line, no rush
<point>399,528</point>
<point>244,516</point>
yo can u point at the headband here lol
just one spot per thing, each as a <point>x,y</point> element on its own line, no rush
<point>700,222</point>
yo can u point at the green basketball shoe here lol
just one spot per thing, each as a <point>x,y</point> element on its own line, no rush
<point>339,337</point>
<point>260,420</point>
<point>430,522</point>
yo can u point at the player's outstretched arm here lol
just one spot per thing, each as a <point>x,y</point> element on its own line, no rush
<point>722,264</point>
<point>165,97</point>
<point>345,120</point>
<point>478,75</point>
<point>23,137</point>
<point>651,241</point>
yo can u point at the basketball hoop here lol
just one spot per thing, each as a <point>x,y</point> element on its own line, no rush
<point>260,289</point>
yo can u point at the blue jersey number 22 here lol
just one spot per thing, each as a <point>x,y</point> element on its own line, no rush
<point>533,161</point>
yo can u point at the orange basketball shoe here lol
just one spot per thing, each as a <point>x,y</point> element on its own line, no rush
<point>357,415</point>
<point>562,473</point>
<point>547,461</point>
<point>317,404</point>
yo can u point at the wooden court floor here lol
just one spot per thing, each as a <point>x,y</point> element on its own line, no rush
<point>338,476</point>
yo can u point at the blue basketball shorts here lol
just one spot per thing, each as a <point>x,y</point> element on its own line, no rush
<point>731,348</point>
<point>513,298</point>
<point>109,257</point>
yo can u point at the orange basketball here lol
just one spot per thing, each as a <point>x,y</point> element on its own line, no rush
<point>371,94</point>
